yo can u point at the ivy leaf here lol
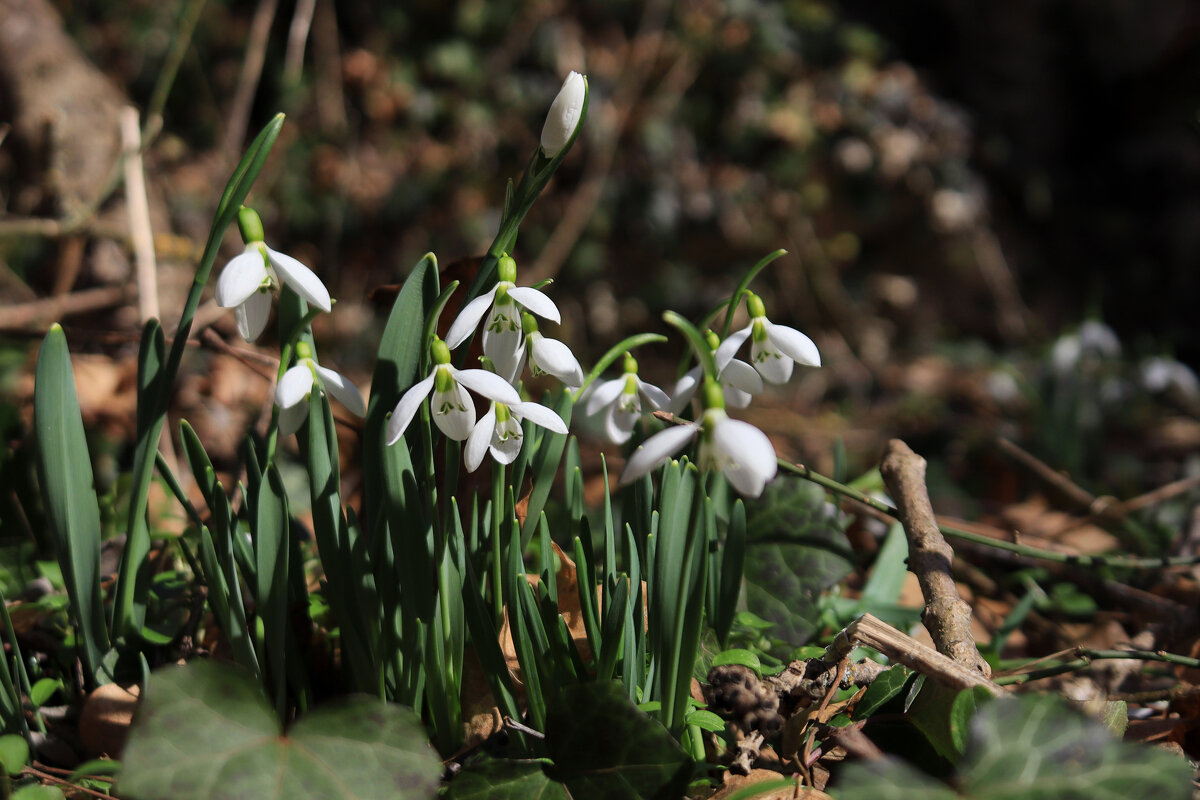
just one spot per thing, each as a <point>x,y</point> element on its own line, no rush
<point>796,550</point>
<point>204,731</point>
<point>604,747</point>
<point>497,779</point>
<point>1036,747</point>
<point>1032,748</point>
<point>886,685</point>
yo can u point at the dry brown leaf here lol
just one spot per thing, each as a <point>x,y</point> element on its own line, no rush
<point>1035,519</point>
<point>104,721</point>
<point>734,783</point>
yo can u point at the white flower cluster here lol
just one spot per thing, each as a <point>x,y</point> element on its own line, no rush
<point>246,285</point>
<point>739,450</point>
<point>510,339</point>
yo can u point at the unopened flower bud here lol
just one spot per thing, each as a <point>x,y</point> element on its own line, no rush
<point>565,114</point>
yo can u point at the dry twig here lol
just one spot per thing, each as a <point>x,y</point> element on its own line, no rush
<point>946,615</point>
<point>872,632</point>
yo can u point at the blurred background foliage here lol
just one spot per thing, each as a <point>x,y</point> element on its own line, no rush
<point>957,187</point>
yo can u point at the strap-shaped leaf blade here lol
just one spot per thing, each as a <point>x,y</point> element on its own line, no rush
<point>65,473</point>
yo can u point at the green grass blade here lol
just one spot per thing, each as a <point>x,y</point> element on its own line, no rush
<point>72,510</point>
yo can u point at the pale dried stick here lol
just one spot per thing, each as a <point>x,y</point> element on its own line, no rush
<point>947,616</point>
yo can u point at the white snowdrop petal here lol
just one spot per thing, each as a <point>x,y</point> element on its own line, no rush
<point>741,375</point>
<point>506,349</point>
<point>294,386</point>
<point>346,392</point>
<point>252,315</point>
<point>555,358</point>
<point>618,425</point>
<point>685,389</point>
<point>240,279</point>
<point>290,419</point>
<point>453,412</point>
<point>603,394</point>
<point>540,415</point>
<point>479,440</point>
<point>468,319</point>
<point>655,396</point>
<point>794,344</point>
<point>772,365</point>
<point>302,279</point>
<point>746,455</point>
<point>536,302</point>
<point>735,397</point>
<point>489,385</point>
<point>506,441</point>
<point>728,348</point>
<point>407,408</point>
<point>655,450</point>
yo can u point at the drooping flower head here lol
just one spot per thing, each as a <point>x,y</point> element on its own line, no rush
<point>291,394</point>
<point>503,340</point>
<point>739,381</point>
<point>499,432</point>
<point>248,279</point>
<point>452,408</point>
<point>742,453</point>
<point>547,356</point>
<point>623,397</point>
<point>565,114</point>
<point>773,348</point>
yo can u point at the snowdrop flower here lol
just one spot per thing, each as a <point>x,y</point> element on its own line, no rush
<point>453,410</point>
<point>1094,340</point>
<point>739,381</point>
<point>742,452</point>
<point>1160,374</point>
<point>248,279</point>
<point>499,431</point>
<point>773,348</point>
<point>565,114</point>
<point>291,395</point>
<point>548,356</point>
<point>623,398</point>
<point>503,339</point>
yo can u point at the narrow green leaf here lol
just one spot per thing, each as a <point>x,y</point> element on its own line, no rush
<point>271,559</point>
<point>72,510</point>
<point>733,564</point>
